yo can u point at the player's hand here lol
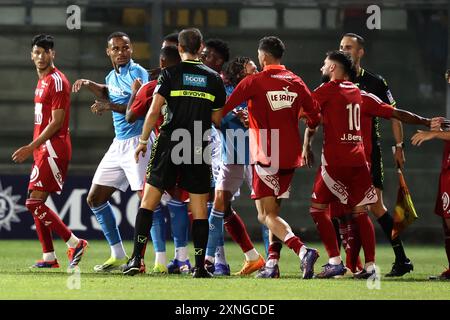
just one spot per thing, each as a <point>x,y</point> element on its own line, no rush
<point>242,115</point>
<point>437,123</point>
<point>100,106</point>
<point>78,84</point>
<point>399,157</point>
<point>137,83</point>
<point>141,148</point>
<point>308,157</point>
<point>422,136</point>
<point>22,154</point>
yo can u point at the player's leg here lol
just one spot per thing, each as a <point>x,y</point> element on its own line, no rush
<point>158,235</point>
<point>98,200</point>
<point>271,268</point>
<point>446,224</point>
<point>179,221</point>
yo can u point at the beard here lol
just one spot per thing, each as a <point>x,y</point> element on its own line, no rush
<point>325,78</point>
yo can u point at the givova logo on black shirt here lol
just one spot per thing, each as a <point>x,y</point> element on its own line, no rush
<point>194,80</point>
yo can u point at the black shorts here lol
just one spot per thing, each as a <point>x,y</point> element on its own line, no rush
<point>163,174</point>
<point>376,169</point>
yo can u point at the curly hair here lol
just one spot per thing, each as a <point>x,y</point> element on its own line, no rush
<point>235,70</point>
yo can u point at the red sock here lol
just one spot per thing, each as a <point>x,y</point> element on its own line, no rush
<point>367,235</point>
<point>353,261</point>
<point>326,230</point>
<point>447,242</point>
<point>294,243</point>
<point>48,218</point>
<point>44,235</point>
<point>275,250</point>
<point>236,229</point>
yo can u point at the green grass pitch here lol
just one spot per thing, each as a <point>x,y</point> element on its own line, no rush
<point>19,282</point>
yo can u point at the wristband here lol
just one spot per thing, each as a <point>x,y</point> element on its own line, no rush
<point>144,142</point>
<point>400,145</point>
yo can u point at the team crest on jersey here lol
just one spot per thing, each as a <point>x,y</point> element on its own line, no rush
<point>9,208</point>
<point>281,99</point>
<point>445,201</point>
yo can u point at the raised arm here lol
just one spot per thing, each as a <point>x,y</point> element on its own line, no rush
<point>99,90</point>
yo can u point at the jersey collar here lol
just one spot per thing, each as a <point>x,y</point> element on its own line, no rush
<point>196,61</point>
<point>124,69</point>
<point>274,67</point>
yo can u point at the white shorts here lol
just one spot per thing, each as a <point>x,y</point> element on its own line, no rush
<point>118,168</point>
<point>231,177</point>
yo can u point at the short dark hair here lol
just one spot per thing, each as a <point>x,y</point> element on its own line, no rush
<point>190,40</point>
<point>345,60</point>
<point>220,46</point>
<point>45,41</point>
<point>360,40</point>
<point>118,34</point>
<point>170,54</point>
<point>273,46</point>
<point>171,37</point>
<point>235,68</point>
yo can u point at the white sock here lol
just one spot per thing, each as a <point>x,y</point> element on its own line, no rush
<point>49,256</point>
<point>73,241</point>
<point>251,255</point>
<point>219,256</point>
<point>288,236</point>
<point>302,252</point>
<point>160,258</point>
<point>181,253</point>
<point>210,259</point>
<point>118,251</point>
<point>335,260</point>
<point>271,263</point>
<point>369,266</point>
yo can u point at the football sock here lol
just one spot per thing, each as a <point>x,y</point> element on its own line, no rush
<point>274,253</point>
<point>200,230</point>
<point>265,236</point>
<point>251,255</point>
<point>44,235</point>
<point>215,232</point>
<point>118,251</point>
<point>293,242</point>
<point>335,222</point>
<point>367,235</point>
<point>105,217</point>
<point>160,258</point>
<point>73,241</point>
<point>447,242</point>
<point>353,247</point>
<point>219,256</point>
<point>49,256</point>
<point>48,218</point>
<point>142,227</point>
<point>158,230</point>
<point>179,222</point>
<point>236,229</point>
<point>181,254</point>
<point>387,223</point>
<point>326,230</point>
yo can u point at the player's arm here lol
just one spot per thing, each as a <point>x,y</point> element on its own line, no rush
<point>21,154</point>
<point>216,117</point>
<point>242,92</point>
<point>99,90</point>
<point>149,123</point>
<point>422,136</point>
<point>410,118</point>
<point>130,116</point>
<point>307,154</point>
<point>310,105</point>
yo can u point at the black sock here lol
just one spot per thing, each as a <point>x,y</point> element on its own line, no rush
<point>336,229</point>
<point>200,230</point>
<point>142,227</point>
<point>387,224</point>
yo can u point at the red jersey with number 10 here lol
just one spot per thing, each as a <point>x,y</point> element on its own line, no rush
<point>52,93</point>
<point>276,99</point>
<point>340,102</point>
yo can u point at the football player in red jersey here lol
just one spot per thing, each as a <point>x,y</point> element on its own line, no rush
<point>51,149</point>
<point>276,97</point>
<point>443,200</point>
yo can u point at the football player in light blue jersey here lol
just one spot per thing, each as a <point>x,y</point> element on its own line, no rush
<point>118,169</point>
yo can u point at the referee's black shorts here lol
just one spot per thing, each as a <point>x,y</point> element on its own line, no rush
<point>376,169</point>
<point>163,174</point>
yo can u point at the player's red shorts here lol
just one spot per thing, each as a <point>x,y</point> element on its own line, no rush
<point>442,207</point>
<point>338,210</point>
<point>271,185</point>
<point>48,173</point>
<point>350,185</point>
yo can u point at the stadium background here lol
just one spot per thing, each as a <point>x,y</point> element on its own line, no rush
<point>410,51</point>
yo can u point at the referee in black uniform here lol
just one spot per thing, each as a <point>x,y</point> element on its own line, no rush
<point>375,84</point>
<point>180,155</point>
